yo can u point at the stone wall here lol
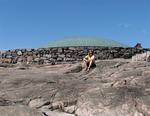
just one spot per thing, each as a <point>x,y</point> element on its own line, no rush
<point>65,54</point>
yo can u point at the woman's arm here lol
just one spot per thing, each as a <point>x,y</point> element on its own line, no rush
<point>90,63</point>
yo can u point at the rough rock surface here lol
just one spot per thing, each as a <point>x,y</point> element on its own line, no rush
<point>114,88</point>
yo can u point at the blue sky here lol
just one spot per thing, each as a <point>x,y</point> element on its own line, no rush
<point>31,23</point>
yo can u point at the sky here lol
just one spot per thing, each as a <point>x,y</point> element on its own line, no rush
<point>32,23</point>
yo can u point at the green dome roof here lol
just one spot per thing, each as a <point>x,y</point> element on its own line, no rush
<point>85,41</point>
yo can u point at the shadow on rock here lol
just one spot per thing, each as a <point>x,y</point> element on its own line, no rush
<point>74,69</point>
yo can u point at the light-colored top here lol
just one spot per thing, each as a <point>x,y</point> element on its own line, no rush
<point>90,58</point>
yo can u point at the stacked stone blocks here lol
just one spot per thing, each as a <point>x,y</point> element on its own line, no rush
<point>65,54</point>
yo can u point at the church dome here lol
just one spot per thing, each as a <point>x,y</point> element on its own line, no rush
<point>84,41</point>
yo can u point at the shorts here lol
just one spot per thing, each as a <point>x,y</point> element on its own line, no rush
<point>92,66</point>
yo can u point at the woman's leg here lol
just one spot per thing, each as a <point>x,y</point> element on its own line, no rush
<point>92,65</point>
<point>86,65</point>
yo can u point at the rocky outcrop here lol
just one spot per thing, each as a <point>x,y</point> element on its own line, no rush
<point>114,88</point>
<point>142,57</point>
<point>65,54</point>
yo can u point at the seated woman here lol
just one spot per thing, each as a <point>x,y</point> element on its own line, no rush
<point>89,60</point>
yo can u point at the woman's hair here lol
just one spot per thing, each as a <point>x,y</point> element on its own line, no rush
<point>90,52</point>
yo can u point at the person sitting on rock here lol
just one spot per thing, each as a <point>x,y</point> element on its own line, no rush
<point>89,60</point>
